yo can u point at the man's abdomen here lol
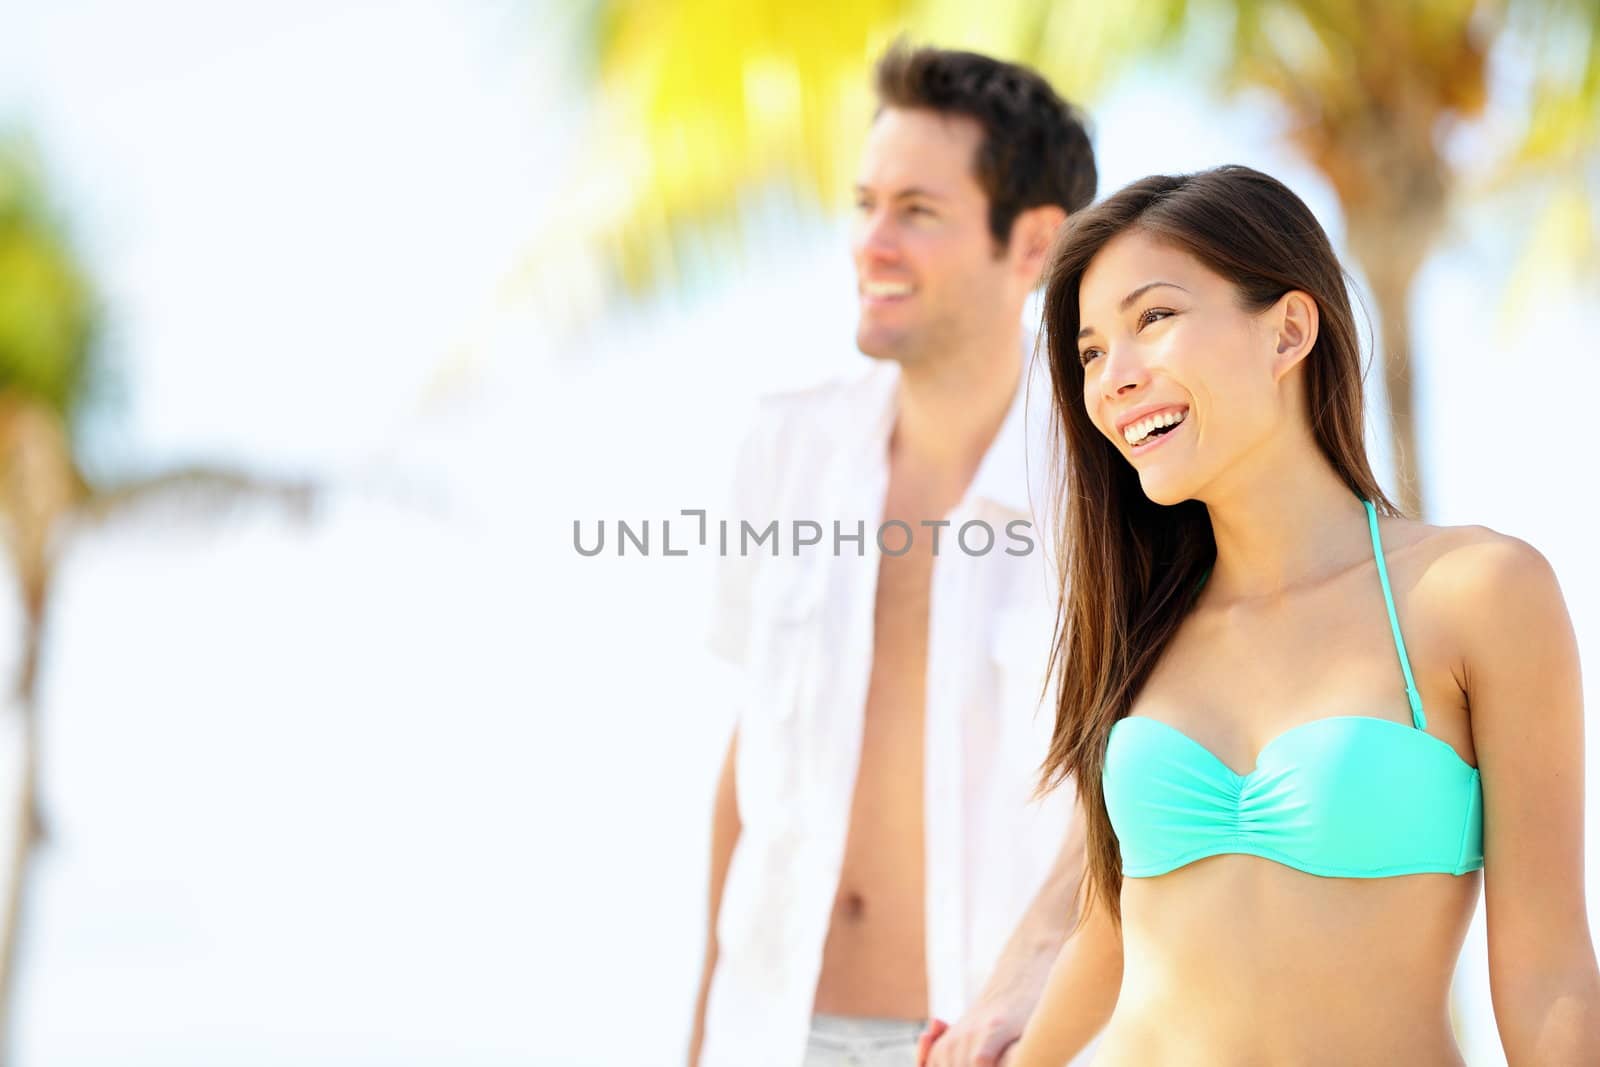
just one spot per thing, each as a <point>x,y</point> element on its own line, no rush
<point>873,962</point>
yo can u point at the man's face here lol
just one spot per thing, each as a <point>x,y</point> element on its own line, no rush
<point>928,276</point>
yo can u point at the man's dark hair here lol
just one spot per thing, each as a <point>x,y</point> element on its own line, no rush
<point>1034,151</point>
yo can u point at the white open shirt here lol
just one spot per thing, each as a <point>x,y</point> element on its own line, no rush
<point>801,629</point>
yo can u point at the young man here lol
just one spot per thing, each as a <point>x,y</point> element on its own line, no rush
<point>874,844</point>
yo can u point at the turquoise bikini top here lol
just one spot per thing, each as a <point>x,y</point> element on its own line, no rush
<point>1348,796</point>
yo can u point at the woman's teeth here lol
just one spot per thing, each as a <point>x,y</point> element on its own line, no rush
<point>1139,431</point>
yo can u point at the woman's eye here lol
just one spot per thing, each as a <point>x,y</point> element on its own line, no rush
<point>1150,315</point>
<point>1087,355</point>
<point>918,209</point>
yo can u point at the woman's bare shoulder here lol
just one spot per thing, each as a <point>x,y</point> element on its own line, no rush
<point>1475,577</point>
<point>1460,552</point>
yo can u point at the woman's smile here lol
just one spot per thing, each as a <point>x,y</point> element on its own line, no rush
<point>1139,430</point>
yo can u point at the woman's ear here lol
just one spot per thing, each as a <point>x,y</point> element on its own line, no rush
<point>1294,322</point>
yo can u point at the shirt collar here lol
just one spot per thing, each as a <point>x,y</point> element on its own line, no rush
<point>1012,472</point>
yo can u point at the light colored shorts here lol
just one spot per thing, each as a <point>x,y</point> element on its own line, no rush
<point>851,1041</point>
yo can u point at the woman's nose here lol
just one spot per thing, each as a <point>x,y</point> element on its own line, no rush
<point>1123,372</point>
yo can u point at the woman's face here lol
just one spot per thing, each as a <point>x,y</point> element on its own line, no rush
<point>1181,378</point>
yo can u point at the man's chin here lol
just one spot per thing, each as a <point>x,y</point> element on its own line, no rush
<point>878,344</point>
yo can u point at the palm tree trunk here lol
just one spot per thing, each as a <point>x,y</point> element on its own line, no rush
<point>25,837</point>
<point>1390,240</point>
<point>28,830</point>
<point>1394,315</point>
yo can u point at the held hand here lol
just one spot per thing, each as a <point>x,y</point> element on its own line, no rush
<point>936,1028</point>
<point>980,1038</point>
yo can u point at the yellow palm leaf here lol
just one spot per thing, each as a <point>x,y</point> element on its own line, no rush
<point>703,103</point>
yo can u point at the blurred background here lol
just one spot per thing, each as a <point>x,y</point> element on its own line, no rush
<point>321,324</point>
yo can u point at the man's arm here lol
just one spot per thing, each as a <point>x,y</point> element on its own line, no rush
<point>996,1019</point>
<point>724,836</point>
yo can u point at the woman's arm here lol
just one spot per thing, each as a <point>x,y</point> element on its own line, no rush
<point>1523,691</point>
<point>995,1021</point>
<point>1078,996</point>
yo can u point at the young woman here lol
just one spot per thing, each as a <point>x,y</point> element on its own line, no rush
<point>1301,724</point>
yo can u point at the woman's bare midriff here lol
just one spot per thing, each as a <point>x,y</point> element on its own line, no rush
<point>1235,961</point>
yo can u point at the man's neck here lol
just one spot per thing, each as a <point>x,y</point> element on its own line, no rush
<point>950,410</point>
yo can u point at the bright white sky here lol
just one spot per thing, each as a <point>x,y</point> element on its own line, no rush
<point>413,783</point>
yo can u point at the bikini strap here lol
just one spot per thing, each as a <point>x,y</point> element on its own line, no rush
<point>1419,720</point>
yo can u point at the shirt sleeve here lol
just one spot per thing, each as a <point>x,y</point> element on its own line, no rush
<point>749,497</point>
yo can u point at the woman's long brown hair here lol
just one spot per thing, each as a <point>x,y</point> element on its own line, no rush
<point>1131,567</point>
